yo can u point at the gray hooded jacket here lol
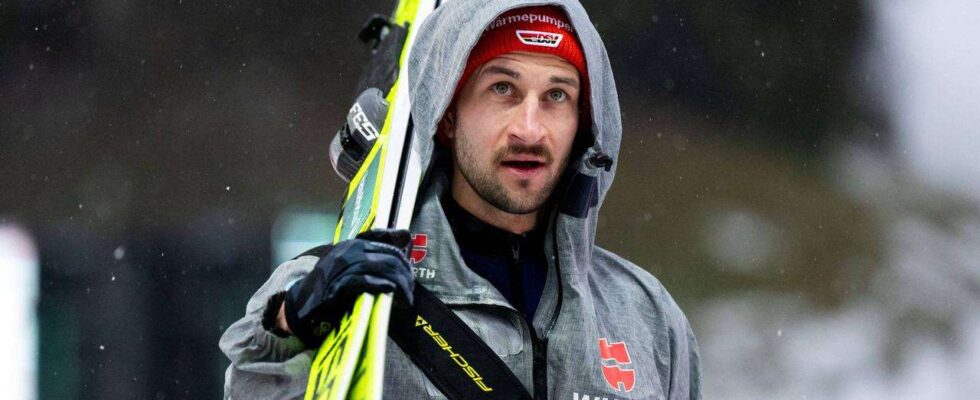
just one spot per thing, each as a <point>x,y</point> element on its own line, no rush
<point>604,328</point>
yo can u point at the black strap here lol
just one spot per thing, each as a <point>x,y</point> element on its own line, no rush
<point>454,358</point>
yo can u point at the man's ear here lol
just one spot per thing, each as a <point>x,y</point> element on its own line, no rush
<point>446,129</point>
<point>448,123</point>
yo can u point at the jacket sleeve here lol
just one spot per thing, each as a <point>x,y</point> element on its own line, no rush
<point>263,365</point>
<point>694,356</point>
<point>685,380</point>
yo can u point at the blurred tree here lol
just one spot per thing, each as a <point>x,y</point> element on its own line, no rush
<point>781,70</point>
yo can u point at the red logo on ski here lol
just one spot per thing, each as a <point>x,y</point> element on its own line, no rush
<point>615,365</point>
<point>419,243</point>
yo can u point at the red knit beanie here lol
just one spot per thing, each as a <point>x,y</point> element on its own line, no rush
<point>537,29</point>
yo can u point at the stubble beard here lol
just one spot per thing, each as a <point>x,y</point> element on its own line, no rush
<point>492,190</point>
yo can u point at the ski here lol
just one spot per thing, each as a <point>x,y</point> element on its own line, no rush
<point>329,375</point>
<point>381,194</point>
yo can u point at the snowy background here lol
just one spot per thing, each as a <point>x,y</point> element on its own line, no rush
<point>802,176</point>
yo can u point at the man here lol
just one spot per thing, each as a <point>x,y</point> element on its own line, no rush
<point>518,119</point>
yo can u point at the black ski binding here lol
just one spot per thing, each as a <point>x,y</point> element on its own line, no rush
<point>374,30</point>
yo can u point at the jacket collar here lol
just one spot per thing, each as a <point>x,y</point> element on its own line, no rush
<point>484,239</point>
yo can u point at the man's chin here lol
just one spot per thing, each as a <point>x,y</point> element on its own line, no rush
<point>512,196</point>
<point>518,209</point>
<point>521,202</point>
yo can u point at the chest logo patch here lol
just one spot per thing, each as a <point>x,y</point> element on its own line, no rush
<point>419,243</point>
<point>617,367</point>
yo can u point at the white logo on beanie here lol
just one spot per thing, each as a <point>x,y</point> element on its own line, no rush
<point>538,38</point>
<point>529,18</point>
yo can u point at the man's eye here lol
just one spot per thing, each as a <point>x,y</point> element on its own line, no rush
<point>501,88</point>
<point>557,95</point>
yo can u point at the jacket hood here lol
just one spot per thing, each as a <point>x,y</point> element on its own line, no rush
<point>444,41</point>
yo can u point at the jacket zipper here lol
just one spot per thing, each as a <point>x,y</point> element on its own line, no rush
<point>516,276</point>
<point>540,344</point>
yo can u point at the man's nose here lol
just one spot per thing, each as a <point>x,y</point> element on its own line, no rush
<point>527,126</point>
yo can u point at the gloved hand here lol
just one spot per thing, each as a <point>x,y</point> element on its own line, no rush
<point>373,262</point>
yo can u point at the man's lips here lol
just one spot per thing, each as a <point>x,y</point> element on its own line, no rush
<point>524,167</point>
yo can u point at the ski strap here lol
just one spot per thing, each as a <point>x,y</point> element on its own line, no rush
<point>450,354</point>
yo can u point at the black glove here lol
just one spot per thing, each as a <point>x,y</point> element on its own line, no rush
<point>374,262</point>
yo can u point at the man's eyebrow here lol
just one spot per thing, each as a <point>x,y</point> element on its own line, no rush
<point>493,69</point>
<point>564,81</point>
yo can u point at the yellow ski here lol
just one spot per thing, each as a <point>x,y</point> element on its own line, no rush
<point>336,360</point>
<point>350,362</point>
